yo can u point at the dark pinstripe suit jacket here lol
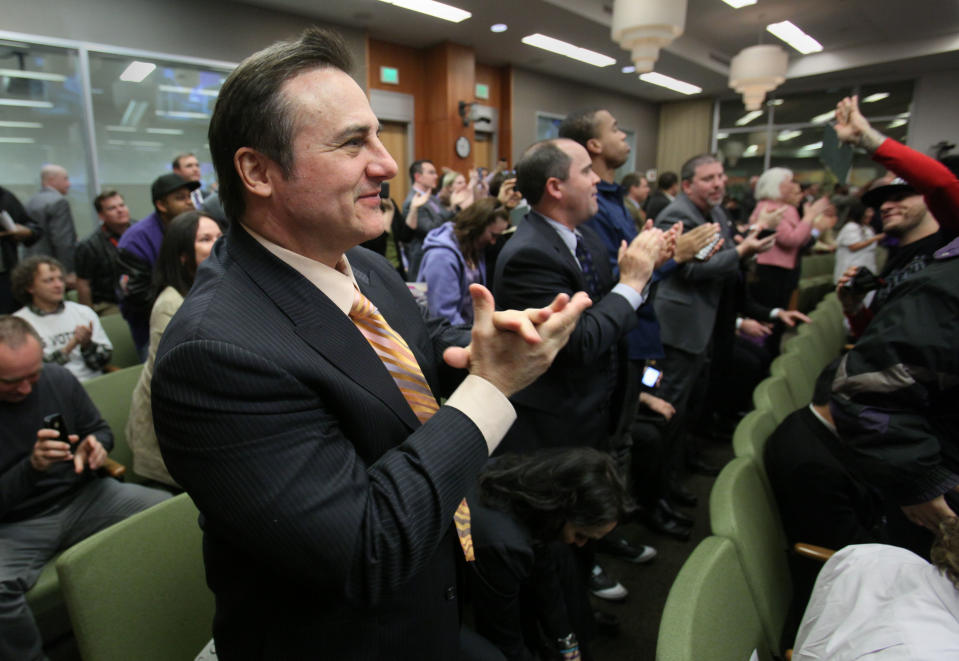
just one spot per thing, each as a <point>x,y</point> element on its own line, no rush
<point>326,506</point>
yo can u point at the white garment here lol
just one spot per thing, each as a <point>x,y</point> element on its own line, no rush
<point>56,331</point>
<point>852,232</point>
<point>880,603</point>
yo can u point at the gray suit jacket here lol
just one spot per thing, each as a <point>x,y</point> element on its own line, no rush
<point>51,211</point>
<point>686,303</point>
<point>430,216</point>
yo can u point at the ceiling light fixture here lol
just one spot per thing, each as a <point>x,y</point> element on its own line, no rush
<point>811,147</point>
<point>775,102</point>
<point>136,71</point>
<point>670,83</point>
<point>896,123</point>
<point>24,103</point>
<point>628,69</point>
<point>176,89</point>
<point>878,96</point>
<point>795,37</point>
<point>498,27</point>
<point>183,114</point>
<point>160,131</point>
<point>33,75</point>
<point>787,135</point>
<point>751,150</point>
<point>21,125</point>
<point>825,117</point>
<point>18,141</point>
<point>643,27</point>
<point>121,129</point>
<point>748,117</point>
<point>757,70</point>
<point>432,8</point>
<point>569,50</point>
<point>739,4</point>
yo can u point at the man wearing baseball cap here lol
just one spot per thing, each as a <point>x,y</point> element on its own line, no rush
<point>138,250</point>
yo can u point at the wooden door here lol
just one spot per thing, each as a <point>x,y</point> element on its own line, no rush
<point>394,139</point>
<point>483,150</point>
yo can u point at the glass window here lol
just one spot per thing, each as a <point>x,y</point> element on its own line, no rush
<point>743,156</point>
<point>41,123</point>
<point>547,125</point>
<point>141,125</point>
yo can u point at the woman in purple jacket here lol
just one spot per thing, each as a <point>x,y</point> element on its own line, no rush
<point>453,258</point>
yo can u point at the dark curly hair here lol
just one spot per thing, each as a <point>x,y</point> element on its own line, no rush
<point>21,279</point>
<point>551,487</point>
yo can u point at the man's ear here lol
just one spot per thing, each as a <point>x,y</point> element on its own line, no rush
<point>594,147</point>
<point>554,188</point>
<point>256,170</point>
<point>161,206</point>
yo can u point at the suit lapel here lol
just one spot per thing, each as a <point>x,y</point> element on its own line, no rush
<point>319,323</point>
<point>551,238</point>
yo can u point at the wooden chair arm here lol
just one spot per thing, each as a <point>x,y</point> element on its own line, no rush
<point>114,468</point>
<point>110,368</point>
<point>812,551</point>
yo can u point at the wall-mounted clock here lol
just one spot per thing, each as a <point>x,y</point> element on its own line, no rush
<point>462,146</point>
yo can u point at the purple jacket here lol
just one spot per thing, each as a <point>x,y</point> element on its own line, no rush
<point>137,252</point>
<point>447,276</point>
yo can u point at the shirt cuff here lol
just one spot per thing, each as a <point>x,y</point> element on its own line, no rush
<point>488,408</point>
<point>774,314</point>
<point>634,297</point>
<point>739,322</point>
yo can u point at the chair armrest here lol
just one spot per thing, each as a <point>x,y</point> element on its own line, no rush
<point>114,468</point>
<point>812,551</point>
<point>110,368</point>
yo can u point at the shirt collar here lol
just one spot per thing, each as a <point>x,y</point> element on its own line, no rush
<point>830,426</point>
<point>338,284</point>
<point>42,313</point>
<point>610,187</point>
<point>568,236</point>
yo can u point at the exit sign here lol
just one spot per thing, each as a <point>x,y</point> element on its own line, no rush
<point>390,75</point>
<point>482,91</point>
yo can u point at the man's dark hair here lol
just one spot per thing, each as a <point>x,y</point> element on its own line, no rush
<point>21,278</point>
<point>416,167</point>
<point>251,111</point>
<point>579,126</point>
<point>688,171</point>
<point>180,157</point>
<point>546,489</point>
<point>99,199</point>
<point>14,331</point>
<point>667,180</point>
<point>631,179</point>
<point>176,262</point>
<point>540,162</point>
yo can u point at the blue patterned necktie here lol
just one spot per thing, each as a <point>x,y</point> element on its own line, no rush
<point>589,270</point>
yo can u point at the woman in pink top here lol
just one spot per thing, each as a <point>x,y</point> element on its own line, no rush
<point>776,272</point>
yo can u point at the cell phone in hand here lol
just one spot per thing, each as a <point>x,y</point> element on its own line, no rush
<point>863,282</point>
<point>651,377</point>
<point>55,421</point>
<point>704,253</point>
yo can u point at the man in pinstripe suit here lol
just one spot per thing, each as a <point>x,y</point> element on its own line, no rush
<point>326,505</point>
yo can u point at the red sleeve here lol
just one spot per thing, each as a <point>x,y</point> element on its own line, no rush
<point>930,177</point>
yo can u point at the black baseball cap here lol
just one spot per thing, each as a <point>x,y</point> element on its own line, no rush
<point>898,186</point>
<point>167,183</point>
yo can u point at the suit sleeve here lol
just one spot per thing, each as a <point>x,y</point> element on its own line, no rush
<point>273,471</point>
<point>723,263</point>
<point>63,235</point>
<point>530,279</point>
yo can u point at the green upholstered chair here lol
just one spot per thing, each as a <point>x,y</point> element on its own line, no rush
<point>111,393</point>
<point>741,509</point>
<point>773,394</point>
<point>46,603</point>
<point>789,365</point>
<point>124,350</point>
<point>137,590</point>
<point>749,438</point>
<point>710,613</point>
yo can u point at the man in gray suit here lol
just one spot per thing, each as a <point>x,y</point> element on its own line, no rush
<point>687,303</point>
<point>51,211</point>
<point>422,212</point>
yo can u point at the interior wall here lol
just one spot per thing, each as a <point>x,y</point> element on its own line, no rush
<point>212,29</point>
<point>934,104</point>
<point>684,132</point>
<point>534,92</point>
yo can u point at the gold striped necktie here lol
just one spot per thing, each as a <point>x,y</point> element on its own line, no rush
<point>402,366</point>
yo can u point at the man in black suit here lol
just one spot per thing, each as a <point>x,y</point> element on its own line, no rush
<point>552,251</point>
<point>667,188</point>
<point>327,505</point>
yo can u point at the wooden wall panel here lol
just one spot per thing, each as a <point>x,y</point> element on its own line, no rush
<point>410,62</point>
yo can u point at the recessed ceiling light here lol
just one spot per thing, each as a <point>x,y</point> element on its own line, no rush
<point>737,4</point>
<point>825,117</point>
<point>748,117</point>
<point>18,141</point>
<point>629,68</point>
<point>722,135</point>
<point>121,129</point>
<point>21,125</point>
<point>795,37</point>
<point>785,136</point>
<point>25,103</point>
<point>33,75</point>
<point>811,147</point>
<point>162,131</point>
<point>136,71</point>
<point>432,8</point>
<point>751,150</point>
<point>567,49</point>
<point>670,83</point>
<point>498,27</point>
<point>182,114</point>
<point>176,89</point>
<point>775,102</point>
<point>896,123</point>
<point>878,96</point>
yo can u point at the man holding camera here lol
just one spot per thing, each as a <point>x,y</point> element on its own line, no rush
<point>50,496</point>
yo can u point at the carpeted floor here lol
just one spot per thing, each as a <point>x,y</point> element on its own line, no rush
<point>649,584</point>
